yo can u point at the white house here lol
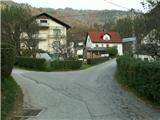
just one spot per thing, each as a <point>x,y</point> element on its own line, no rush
<point>97,41</point>
<point>52,32</point>
<point>80,50</point>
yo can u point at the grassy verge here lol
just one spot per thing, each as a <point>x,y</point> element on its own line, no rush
<point>85,66</point>
<point>134,91</point>
<point>10,91</point>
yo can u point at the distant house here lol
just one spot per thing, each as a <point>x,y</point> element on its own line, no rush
<point>149,47</point>
<point>97,41</point>
<point>80,50</point>
<point>129,45</point>
<point>52,33</point>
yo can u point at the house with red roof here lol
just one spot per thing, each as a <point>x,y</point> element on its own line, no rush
<point>96,43</point>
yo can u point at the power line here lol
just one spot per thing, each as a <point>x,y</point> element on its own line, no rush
<point>117,5</point>
<point>99,13</point>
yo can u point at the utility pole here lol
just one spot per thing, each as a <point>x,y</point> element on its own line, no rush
<point>132,18</point>
<point>133,31</point>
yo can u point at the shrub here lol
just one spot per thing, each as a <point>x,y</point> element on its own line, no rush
<point>9,92</point>
<point>66,65</point>
<point>35,63</point>
<point>112,51</point>
<point>7,59</point>
<point>140,75</point>
<point>93,61</point>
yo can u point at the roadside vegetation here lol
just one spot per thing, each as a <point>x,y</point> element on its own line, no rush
<point>9,95</point>
<point>140,76</point>
<point>9,88</point>
<point>40,64</point>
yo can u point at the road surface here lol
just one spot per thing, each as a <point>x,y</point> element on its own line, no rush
<point>91,94</point>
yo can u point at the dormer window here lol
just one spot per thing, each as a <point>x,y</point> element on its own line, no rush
<point>106,37</point>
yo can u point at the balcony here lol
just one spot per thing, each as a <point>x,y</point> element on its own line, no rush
<point>43,24</point>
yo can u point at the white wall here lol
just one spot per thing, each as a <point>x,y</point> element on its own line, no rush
<point>119,47</point>
<point>143,57</point>
<point>90,44</point>
<point>48,36</point>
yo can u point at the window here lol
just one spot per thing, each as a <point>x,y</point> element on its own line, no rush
<point>106,37</point>
<point>96,45</point>
<point>43,21</point>
<point>56,32</point>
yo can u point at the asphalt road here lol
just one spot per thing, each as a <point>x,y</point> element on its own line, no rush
<point>91,94</point>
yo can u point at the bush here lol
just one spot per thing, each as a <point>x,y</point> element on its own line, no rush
<point>93,61</point>
<point>7,60</point>
<point>143,76</point>
<point>35,63</point>
<point>66,65</point>
<point>9,92</point>
<point>112,51</point>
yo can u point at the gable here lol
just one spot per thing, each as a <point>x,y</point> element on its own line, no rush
<point>46,16</point>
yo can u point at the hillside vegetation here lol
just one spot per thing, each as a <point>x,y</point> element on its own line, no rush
<point>78,17</point>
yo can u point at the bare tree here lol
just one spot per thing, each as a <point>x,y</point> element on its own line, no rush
<point>59,45</point>
<point>30,38</point>
<point>151,43</point>
<point>13,20</point>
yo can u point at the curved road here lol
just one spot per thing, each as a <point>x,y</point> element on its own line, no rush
<point>91,94</point>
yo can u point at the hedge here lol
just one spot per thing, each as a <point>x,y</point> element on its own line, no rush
<point>112,51</point>
<point>7,60</point>
<point>66,65</point>
<point>93,61</point>
<point>9,94</point>
<point>34,63</point>
<point>143,76</point>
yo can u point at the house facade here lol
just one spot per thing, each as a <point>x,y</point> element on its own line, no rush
<point>52,33</point>
<point>97,41</point>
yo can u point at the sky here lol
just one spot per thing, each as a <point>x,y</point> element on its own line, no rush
<point>85,4</point>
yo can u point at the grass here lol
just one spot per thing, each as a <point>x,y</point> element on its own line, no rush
<point>134,91</point>
<point>9,93</point>
<point>85,66</point>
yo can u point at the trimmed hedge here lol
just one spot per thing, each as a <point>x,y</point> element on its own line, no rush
<point>143,76</point>
<point>7,60</point>
<point>66,65</point>
<point>35,63</point>
<point>94,61</point>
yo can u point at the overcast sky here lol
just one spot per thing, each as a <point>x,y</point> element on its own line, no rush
<point>85,4</point>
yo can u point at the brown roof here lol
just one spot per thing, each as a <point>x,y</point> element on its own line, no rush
<point>55,19</point>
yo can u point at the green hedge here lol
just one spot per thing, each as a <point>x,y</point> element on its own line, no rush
<point>7,60</point>
<point>144,77</point>
<point>34,63</point>
<point>9,92</point>
<point>66,65</point>
<point>112,51</point>
<point>93,61</point>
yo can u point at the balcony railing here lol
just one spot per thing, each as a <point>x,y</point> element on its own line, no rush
<point>43,24</point>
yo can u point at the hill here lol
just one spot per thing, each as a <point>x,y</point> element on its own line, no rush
<point>80,20</point>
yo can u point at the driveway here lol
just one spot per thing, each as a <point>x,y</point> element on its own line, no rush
<point>91,94</point>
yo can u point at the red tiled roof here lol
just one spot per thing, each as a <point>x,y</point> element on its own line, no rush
<point>97,37</point>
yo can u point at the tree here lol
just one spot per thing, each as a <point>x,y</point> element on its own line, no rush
<point>112,51</point>
<point>58,44</point>
<point>31,31</point>
<point>16,20</point>
<point>152,26</point>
